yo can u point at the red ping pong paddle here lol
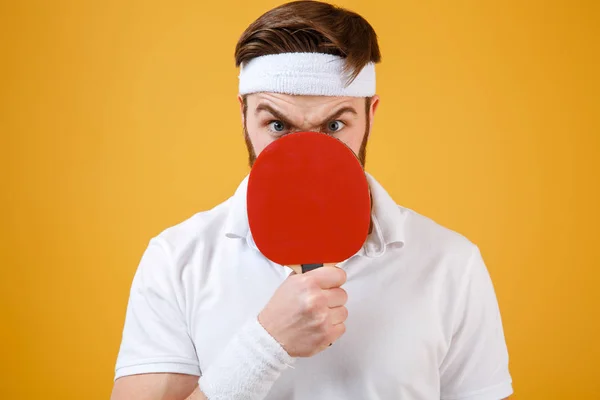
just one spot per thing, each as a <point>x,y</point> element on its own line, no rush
<point>308,201</point>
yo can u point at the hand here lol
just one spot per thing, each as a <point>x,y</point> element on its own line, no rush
<point>306,313</point>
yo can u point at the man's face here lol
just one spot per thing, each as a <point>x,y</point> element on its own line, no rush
<point>268,116</point>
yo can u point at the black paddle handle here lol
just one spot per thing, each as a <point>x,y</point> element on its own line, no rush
<point>310,267</point>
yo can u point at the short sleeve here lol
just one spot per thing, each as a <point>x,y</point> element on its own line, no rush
<point>476,364</point>
<point>155,336</point>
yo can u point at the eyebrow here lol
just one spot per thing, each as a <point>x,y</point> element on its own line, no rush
<point>285,120</point>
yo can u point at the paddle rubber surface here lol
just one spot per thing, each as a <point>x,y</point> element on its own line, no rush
<point>308,200</point>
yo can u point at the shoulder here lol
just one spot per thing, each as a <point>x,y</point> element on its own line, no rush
<point>423,232</point>
<point>185,240</point>
<point>202,226</point>
<point>439,250</point>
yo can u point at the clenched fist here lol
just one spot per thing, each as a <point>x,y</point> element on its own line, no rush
<point>306,313</point>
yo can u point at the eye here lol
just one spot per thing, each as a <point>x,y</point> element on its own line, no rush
<point>335,126</point>
<point>277,126</point>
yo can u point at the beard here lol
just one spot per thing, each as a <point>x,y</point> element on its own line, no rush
<point>362,152</point>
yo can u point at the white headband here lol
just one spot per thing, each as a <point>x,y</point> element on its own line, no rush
<point>304,74</point>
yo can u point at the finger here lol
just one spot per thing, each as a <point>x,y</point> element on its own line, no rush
<point>336,297</point>
<point>328,277</point>
<point>338,315</point>
<point>335,332</point>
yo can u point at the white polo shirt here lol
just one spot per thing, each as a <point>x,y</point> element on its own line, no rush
<point>423,320</point>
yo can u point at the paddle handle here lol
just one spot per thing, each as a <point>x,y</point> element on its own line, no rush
<point>302,268</point>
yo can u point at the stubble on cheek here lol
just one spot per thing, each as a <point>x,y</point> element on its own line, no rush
<point>250,147</point>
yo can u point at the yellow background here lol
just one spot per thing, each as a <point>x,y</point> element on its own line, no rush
<point>119,119</point>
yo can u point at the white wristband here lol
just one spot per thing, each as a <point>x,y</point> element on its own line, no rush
<point>247,368</point>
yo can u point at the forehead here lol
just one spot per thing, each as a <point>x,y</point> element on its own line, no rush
<point>301,104</point>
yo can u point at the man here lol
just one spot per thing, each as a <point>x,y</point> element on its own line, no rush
<point>210,317</point>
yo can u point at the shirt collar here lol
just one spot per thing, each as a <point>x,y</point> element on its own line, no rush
<point>236,224</point>
<point>388,220</point>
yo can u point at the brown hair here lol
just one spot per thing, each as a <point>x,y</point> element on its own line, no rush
<point>311,27</point>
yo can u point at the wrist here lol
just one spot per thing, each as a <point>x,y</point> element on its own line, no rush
<point>248,367</point>
<point>271,330</point>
